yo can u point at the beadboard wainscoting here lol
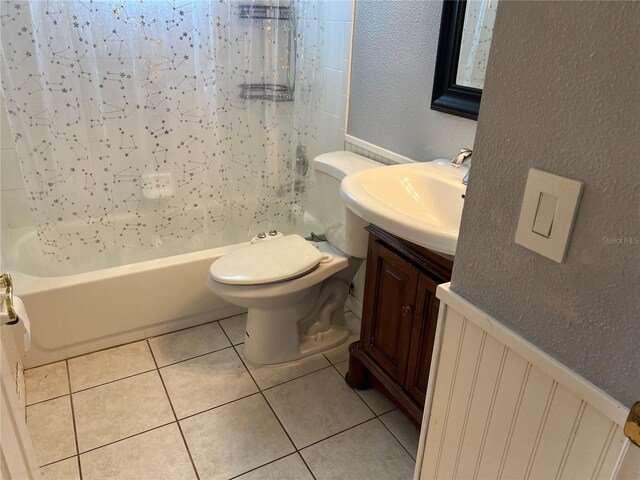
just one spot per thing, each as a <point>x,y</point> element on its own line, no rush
<point>501,408</point>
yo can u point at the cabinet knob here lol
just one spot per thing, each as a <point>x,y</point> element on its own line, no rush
<point>406,310</point>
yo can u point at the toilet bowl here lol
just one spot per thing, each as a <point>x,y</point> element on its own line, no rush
<point>295,290</point>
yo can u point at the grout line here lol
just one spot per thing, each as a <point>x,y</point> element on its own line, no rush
<point>58,461</point>
<point>292,379</point>
<point>177,421</point>
<point>166,392</point>
<point>338,433</point>
<point>396,437</point>
<point>393,409</point>
<point>73,419</point>
<point>47,400</point>
<point>354,391</point>
<point>306,464</point>
<point>79,466</point>
<point>231,345</point>
<point>267,401</point>
<point>375,416</point>
<point>274,412</point>
<point>365,402</point>
<point>293,444</point>
<point>191,358</point>
<point>195,326</point>
<point>70,394</point>
<point>263,465</point>
<point>139,373</point>
<point>281,383</point>
<point>217,406</point>
<point>127,437</point>
<point>378,416</point>
<point>112,381</point>
<point>90,353</point>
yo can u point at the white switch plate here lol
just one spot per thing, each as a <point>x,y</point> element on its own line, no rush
<point>567,191</point>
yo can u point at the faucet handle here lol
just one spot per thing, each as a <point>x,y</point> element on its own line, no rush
<point>459,159</point>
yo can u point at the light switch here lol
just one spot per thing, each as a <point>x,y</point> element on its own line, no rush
<point>548,210</point>
<point>543,221</point>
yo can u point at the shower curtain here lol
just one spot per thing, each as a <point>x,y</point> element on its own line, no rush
<point>479,17</point>
<point>157,127</point>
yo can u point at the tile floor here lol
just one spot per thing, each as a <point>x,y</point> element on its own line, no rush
<point>188,405</point>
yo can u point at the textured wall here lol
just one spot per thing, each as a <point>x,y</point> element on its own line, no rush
<point>394,54</point>
<point>562,95</point>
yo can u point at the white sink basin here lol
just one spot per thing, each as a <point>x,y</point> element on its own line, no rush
<point>420,202</point>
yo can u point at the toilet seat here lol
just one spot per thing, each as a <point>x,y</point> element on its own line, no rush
<point>267,262</point>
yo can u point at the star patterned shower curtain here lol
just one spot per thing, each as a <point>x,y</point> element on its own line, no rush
<point>147,128</point>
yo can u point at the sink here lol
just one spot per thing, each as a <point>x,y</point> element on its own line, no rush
<point>419,202</point>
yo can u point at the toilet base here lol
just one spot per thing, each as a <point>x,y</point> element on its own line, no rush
<point>313,324</point>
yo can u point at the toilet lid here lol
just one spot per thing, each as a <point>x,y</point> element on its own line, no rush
<point>266,262</point>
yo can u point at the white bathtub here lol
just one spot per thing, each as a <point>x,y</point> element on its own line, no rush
<point>76,314</point>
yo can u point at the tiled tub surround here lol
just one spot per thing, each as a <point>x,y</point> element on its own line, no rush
<point>188,405</point>
<point>365,152</point>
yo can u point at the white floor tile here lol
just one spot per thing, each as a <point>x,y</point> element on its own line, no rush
<point>124,424</point>
<point>287,468</point>
<point>235,438</point>
<point>206,382</point>
<point>377,401</point>
<point>341,352</point>
<point>108,365</point>
<point>235,327</point>
<point>267,376</point>
<point>315,406</point>
<point>354,323</point>
<point>117,410</point>
<point>403,429</point>
<point>367,451</point>
<point>46,382</point>
<point>189,343</point>
<point>342,367</point>
<point>156,455</point>
<point>51,429</point>
<point>64,470</point>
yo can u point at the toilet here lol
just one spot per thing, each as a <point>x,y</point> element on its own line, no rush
<point>295,290</point>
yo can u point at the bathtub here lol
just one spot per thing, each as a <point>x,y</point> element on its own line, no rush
<point>76,314</point>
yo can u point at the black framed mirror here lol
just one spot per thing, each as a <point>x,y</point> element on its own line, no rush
<point>463,48</point>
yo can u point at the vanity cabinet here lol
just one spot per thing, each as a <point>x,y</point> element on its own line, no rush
<point>390,291</point>
<point>399,317</point>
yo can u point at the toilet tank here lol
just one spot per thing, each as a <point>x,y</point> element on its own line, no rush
<point>343,228</point>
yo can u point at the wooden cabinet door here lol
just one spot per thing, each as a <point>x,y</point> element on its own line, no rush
<point>391,285</point>
<point>422,339</point>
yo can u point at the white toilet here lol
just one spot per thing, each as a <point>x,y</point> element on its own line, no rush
<point>294,290</point>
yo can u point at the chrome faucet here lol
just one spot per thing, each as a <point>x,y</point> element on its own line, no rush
<point>461,158</point>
